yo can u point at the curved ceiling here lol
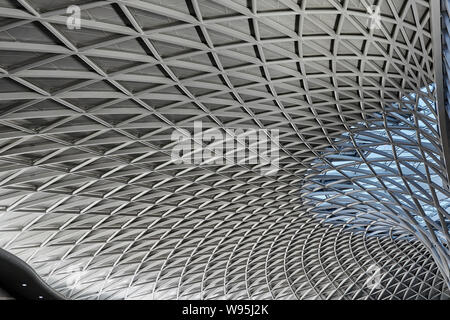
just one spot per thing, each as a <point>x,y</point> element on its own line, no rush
<point>91,198</point>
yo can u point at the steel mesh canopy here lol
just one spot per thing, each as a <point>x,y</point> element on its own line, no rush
<point>91,198</point>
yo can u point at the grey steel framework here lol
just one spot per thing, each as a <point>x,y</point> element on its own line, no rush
<point>91,200</point>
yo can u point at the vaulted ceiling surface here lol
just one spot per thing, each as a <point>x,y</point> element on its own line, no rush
<point>88,186</point>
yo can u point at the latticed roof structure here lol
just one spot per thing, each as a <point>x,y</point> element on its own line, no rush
<point>91,198</point>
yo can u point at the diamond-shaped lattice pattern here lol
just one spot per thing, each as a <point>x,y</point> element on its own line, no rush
<point>91,199</point>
